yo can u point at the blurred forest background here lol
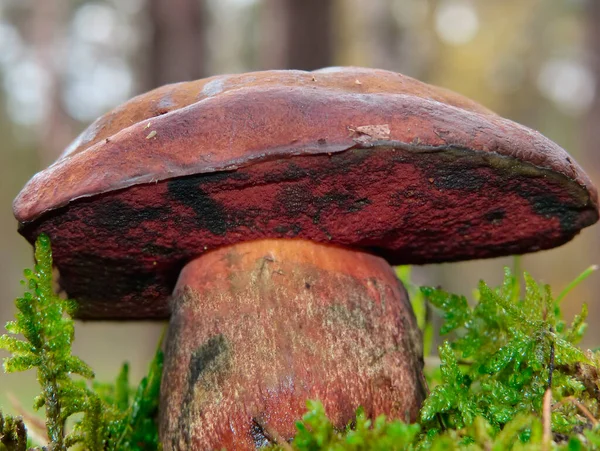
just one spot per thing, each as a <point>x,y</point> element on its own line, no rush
<point>65,62</point>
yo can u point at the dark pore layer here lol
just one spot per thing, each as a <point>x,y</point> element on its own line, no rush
<point>119,253</point>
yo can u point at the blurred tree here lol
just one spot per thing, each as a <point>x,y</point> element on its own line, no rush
<point>297,34</point>
<point>177,47</point>
<point>392,35</point>
<point>592,131</point>
<point>590,155</point>
<point>47,35</point>
<point>370,32</point>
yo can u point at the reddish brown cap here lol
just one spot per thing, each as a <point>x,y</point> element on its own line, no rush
<point>349,156</point>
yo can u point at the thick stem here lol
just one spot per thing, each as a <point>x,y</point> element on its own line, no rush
<point>260,327</point>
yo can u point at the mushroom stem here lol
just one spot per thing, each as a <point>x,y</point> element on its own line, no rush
<point>258,328</point>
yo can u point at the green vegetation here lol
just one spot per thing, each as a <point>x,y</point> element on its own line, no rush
<point>510,377</point>
<point>114,417</point>
<point>508,352</point>
<point>13,435</point>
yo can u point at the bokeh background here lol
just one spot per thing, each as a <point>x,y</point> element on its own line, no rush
<point>65,62</point>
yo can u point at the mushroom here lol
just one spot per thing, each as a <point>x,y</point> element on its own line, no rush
<point>261,211</point>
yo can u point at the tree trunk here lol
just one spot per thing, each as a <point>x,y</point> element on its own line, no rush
<point>592,131</point>
<point>177,47</point>
<point>46,33</point>
<point>297,34</point>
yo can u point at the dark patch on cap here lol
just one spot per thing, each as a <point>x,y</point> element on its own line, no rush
<point>116,216</point>
<point>156,249</point>
<point>495,216</point>
<point>90,277</point>
<point>221,176</point>
<point>298,200</point>
<point>215,178</point>
<point>210,214</point>
<point>288,230</point>
<point>291,173</point>
<point>451,178</point>
<point>544,202</point>
<point>344,162</point>
<point>347,202</point>
<point>358,205</point>
<point>464,229</point>
<point>294,172</point>
<point>548,206</point>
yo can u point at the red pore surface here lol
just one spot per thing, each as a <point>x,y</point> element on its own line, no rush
<point>355,157</point>
<point>258,328</point>
<point>120,253</point>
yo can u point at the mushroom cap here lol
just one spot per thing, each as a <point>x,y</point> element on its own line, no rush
<point>349,156</point>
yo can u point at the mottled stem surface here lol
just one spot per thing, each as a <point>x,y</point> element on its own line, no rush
<point>260,327</point>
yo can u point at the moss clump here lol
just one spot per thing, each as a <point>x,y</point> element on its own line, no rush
<point>13,435</point>
<point>112,418</point>
<point>508,350</point>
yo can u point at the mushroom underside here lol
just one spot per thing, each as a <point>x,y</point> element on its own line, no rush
<point>121,252</point>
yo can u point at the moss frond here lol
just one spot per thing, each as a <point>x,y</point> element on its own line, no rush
<point>45,322</point>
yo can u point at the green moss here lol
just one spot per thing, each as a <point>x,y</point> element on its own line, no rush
<point>13,435</point>
<point>111,418</point>
<point>510,349</point>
